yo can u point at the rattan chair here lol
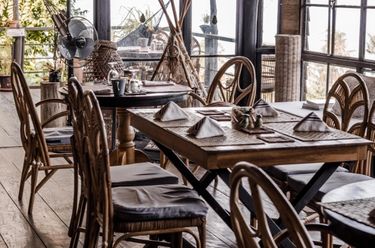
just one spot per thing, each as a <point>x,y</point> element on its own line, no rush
<point>41,144</point>
<point>138,174</point>
<point>260,185</point>
<point>351,100</point>
<point>133,211</point>
<point>223,91</point>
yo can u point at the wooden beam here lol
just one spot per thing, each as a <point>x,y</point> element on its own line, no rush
<point>102,19</point>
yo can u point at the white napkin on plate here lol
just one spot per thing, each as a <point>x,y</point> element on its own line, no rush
<point>171,112</point>
<point>263,108</point>
<point>311,123</point>
<point>206,128</point>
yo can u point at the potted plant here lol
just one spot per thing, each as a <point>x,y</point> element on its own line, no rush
<point>5,62</point>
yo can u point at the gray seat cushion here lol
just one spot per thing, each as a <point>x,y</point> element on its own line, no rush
<point>282,172</point>
<point>58,135</point>
<point>151,203</point>
<point>141,174</point>
<point>338,179</point>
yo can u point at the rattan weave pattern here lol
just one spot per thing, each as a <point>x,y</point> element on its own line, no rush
<point>357,210</point>
<point>282,117</point>
<point>231,137</point>
<point>287,129</point>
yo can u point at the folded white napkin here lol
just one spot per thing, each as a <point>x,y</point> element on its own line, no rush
<point>148,83</point>
<point>171,112</point>
<point>311,123</point>
<point>206,128</point>
<point>263,108</point>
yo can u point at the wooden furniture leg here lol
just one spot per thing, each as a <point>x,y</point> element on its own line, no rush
<point>125,135</point>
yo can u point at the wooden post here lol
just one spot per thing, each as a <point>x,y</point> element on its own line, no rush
<point>49,90</point>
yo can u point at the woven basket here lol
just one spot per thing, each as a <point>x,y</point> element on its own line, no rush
<point>288,68</point>
<point>98,67</point>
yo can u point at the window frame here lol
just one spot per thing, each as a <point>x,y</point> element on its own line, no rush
<point>361,64</point>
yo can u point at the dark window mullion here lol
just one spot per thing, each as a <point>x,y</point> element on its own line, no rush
<point>331,29</point>
<point>362,33</point>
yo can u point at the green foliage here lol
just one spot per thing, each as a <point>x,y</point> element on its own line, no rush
<point>371,44</point>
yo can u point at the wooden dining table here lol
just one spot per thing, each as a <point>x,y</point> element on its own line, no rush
<point>276,144</point>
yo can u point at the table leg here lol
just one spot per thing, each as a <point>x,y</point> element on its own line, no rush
<point>201,187</point>
<point>313,186</point>
<point>197,185</point>
<point>125,134</point>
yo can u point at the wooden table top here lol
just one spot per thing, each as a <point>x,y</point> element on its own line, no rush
<point>224,152</point>
<point>151,96</point>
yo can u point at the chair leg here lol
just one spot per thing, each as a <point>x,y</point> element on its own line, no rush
<point>177,240</point>
<point>34,181</point>
<point>327,239</point>
<point>73,217</point>
<point>92,233</point>
<point>77,224</point>
<point>25,171</point>
<point>202,235</point>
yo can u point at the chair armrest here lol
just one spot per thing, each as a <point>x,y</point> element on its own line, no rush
<point>52,100</point>
<point>197,97</point>
<point>54,117</point>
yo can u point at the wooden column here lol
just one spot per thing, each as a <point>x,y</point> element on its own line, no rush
<point>102,19</point>
<point>49,90</point>
<point>247,33</point>
<point>290,17</point>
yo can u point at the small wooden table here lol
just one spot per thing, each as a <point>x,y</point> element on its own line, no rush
<point>218,155</point>
<point>348,229</point>
<point>152,96</point>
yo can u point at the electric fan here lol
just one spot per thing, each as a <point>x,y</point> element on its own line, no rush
<point>78,42</point>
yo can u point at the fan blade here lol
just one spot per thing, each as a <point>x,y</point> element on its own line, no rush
<point>76,26</point>
<point>65,48</point>
<point>86,51</point>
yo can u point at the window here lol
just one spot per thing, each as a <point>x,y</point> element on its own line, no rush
<point>338,37</point>
<point>141,31</point>
<point>213,35</point>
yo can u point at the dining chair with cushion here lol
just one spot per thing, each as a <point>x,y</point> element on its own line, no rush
<point>349,101</point>
<point>226,88</point>
<point>138,174</point>
<point>262,187</point>
<point>132,210</point>
<point>41,145</point>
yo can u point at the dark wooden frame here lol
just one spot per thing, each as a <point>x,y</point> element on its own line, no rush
<point>329,58</point>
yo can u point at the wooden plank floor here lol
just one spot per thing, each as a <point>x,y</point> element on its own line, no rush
<point>49,224</point>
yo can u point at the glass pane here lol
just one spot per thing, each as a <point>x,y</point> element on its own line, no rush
<point>348,2</point>
<point>336,71</point>
<point>347,32</point>
<point>315,76</point>
<point>370,35</point>
<point>317,2</point>
<point>269,22</point>
<point>83,8</point>
<point>316,29</point>
<point>370,2</point>
<point>214,26</point>
<point>140,28</point>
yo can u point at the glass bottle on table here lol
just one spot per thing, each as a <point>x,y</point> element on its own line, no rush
<point>113,73</point>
